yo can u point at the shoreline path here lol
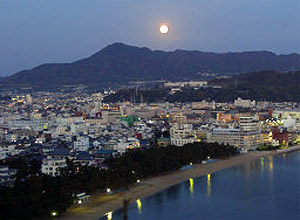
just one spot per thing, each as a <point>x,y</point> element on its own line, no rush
<point>100,204</point>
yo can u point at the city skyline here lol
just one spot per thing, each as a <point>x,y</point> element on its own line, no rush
<point>128,109</point>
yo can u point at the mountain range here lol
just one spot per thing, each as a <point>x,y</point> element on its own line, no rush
<point>119,63</point>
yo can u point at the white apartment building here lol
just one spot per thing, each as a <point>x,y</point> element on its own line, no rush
<point>182,131</point>
<point>34,124</point>
<point>8,151</point>
<point>3,154</point>
<point>287,115</point>
<point>82,143</point>
<point>203,105</point>
<point>129,143</point>
<point>29,99</point>
<point>182,141</point>
<point>7,175</point>
<point>53,166</point>
<point>245,103</point>
<point>246,137</point>
<point>183,84</point>
<point>229,136</point>
<point>179,118</point>
<point>111,116</point>
<point>182,134</point>
<point>68,120</point>
<point>144,113</point>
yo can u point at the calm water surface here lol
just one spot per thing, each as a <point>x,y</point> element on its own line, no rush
<point>268,188</point>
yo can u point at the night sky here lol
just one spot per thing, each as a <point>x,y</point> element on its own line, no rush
<point>33,32</point>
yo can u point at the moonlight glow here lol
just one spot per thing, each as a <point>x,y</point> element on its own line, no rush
<point>164,29</point>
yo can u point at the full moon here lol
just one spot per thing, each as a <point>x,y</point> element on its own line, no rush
<point>164,29</point>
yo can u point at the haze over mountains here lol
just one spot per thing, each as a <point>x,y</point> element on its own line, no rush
<point>120,63</point>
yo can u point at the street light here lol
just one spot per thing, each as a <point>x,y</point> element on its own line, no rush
<point>54,213</point>
<point>109,215</point>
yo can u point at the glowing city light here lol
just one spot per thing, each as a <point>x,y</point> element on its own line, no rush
<point>109,215</point>
<point>54,213</point>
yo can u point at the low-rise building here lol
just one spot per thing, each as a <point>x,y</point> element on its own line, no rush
<point>182,134</point>
<point>53,166</point>
<point>246,136</point>
<point>7,176</point>
<point>82,143</point>
<point>244,103</point>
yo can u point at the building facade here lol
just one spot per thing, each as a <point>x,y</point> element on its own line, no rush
<point>245,137</point>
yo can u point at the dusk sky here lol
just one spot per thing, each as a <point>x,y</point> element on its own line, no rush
<point>33,32</point>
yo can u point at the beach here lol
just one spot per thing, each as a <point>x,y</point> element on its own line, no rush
<point>99,205</point>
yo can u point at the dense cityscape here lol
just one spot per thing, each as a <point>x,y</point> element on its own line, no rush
<point>59,134</point>
<point>150,110</point>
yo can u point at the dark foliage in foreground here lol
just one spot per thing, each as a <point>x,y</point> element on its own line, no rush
<point>154,161</point>
<point>40,195</point>
<point>267,147</point>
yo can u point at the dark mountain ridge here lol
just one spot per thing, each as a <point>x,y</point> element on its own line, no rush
<point>120,63</point>
<point>260,86</point>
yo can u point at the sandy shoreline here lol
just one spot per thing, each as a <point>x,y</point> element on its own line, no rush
<point>101,204</point>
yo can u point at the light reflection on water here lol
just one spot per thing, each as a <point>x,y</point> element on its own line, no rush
<point>270,186</point>
<point>191,186</point>
<point>139,205</point>
<point>208,185</point>
<point>262,164</point>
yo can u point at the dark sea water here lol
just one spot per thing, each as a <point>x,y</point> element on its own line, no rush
<point>268,188</point>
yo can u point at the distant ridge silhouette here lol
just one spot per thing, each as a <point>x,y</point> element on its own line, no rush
<point>120,63</point>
